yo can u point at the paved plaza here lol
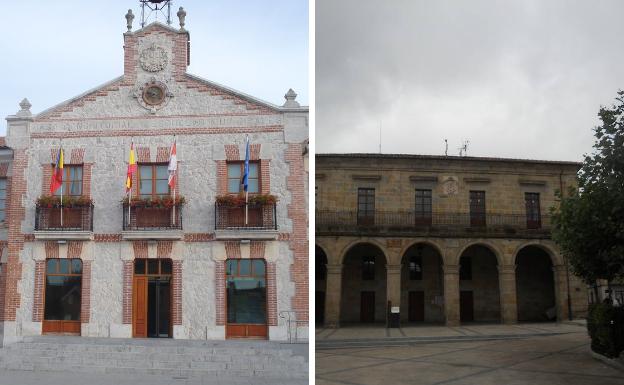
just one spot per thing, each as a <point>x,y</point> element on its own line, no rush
<point>481,355</point>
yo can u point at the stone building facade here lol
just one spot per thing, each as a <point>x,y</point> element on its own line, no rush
<point>440,239</point>
<point>109,270</point>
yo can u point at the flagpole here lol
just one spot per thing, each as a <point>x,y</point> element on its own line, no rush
<point>175,175</point>
<point>62,203</point>
<point>246,167</point>
<point>61,161</point>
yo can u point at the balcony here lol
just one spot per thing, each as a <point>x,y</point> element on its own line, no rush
<point>52,222</point>
<point>152,222</point>
<point>261,221</point>
<point>407,223</point>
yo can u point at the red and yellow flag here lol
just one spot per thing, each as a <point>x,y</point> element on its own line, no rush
<point>57,174</point>
<point>132,167</point>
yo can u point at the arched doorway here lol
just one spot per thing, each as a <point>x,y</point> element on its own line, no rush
<point>479,295</point>
<point>363,285</point>
<point>63,294</point>
<point>320,277</point>
<point>422,285</point>
<point>535,286</point>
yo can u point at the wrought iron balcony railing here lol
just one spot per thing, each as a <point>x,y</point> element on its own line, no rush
<point>64,219</point>
<point>152,218</point>
<point>328,221</point>
<point>259,217</point>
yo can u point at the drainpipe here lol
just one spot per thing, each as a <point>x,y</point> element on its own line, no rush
<point>565,257</point>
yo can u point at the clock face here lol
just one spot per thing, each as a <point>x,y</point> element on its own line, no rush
<point>153,95</point>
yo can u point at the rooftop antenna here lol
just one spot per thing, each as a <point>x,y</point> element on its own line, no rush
<point>463,150</point>
<point>155,6</point>
<point>445,147</point>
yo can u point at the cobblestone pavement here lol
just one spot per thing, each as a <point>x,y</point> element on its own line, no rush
<point>533,358</point>
<point>11,377</point>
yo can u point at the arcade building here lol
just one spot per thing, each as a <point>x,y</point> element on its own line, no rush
<point>194,263</point>
<point>417,239</point>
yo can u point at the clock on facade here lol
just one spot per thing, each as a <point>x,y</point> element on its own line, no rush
<point>153,94</point>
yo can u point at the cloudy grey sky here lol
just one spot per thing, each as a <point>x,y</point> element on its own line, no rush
<point>54,50</point>
<point>522,79</point>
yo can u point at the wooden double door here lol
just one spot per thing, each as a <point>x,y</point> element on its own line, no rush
<point>152,300</point>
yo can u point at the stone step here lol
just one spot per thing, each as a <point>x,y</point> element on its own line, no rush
<point>163,357</point>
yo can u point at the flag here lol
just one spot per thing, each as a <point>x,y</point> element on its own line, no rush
<point>57,174</point>
<point>173,166</point>
<point>132,167</point>
<point>246,172</point>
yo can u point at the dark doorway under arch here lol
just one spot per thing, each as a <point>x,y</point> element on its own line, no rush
<point>479,297</point>
<point>320,277</point>
<point>535,286</point>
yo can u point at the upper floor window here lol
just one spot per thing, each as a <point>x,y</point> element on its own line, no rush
<point>2,200</point>
<point>477,208</point>
<point>72,181</point>
<point>153,180</point>
<point>235,172</point>
<point>368,268</point>
<point>366,206</point>
<point>532,204</point>
<point>422,211</point>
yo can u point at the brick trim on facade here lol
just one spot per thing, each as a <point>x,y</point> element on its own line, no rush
<point>160,132</point>
<point>51,249</point>
<point>199,237</point>
<point>140,249</point>
<point>85,295</point>
<point>163,249</point>
<point>232,249</point>
<point>220,293</point>
<point>232,152</point>
<point>176,304</point>
<point>107,237</point>
<point>4,169</point>
<point>128,273</point>
<point>143,155</point>
<point>74,249</point>
<point>256,249</point>
<point>77,156</point>
<point>37,311</point>
<point>298,213</point>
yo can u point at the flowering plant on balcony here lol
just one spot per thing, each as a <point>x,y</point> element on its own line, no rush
<point>53,201</point>
<point>155,202</point>
<point>239,200</point>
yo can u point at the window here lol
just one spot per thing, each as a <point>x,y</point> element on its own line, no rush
<point>465,268</point>
<point>2,200</point>
<point>532,204</point>
<point>368,268</point>
<point>415,268</point>
<point>72,181</point>
<point>422,213</point>
<point>153,180</point>
<point>366,206</point>
<point>63,289</point>
<point>246,291</point>
<point>235,172</point>
<point>477,208</point>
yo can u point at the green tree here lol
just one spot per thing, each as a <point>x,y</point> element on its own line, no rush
<point>589,224</point>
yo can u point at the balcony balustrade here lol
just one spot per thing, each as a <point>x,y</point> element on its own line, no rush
<point>64,218</point>
<point>146,218</point>
<point>431,224</point>
<point>232,217</point>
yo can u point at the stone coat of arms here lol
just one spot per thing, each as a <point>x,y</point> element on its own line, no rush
<point>153,58</point>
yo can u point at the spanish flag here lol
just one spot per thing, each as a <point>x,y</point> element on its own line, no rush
<point>57,175</point>
<point>132,167</point>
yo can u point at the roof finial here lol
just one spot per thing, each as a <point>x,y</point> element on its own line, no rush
<point>181,15</point>
<point>129,18</point>
<point>25,108</point>
<point>290,99</point>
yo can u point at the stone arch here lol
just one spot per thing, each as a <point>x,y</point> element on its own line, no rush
<point>422,283</point>
<point>535,284</point>
<point>488,245</point>
<point>437,247</point>
<point>364,283</point>
<point>358,242</point>
<point>555,258</point>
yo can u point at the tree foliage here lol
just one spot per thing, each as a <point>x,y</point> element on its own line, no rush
<point>589,224</point>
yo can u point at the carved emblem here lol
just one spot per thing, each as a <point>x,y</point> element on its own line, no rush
<point>153,58</point>
<point>450,185</point>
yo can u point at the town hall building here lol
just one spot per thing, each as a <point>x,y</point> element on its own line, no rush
<point>200,261</point>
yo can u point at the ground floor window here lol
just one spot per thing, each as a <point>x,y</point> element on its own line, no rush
<point>63,291</point>
<point>246,297</point>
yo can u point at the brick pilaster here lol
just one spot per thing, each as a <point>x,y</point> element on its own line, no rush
<point>220,293</point>
<point>37,311</point>
<point>177,293</point>
<point>271,294</point>
<point>85,299</point>
<point>128,267</point>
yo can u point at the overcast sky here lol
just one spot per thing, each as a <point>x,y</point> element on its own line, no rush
<point>522,79</point>
<point>54,50</point>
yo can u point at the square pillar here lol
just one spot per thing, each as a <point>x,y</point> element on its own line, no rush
<point>508,297</point>
<point>333,293</point>
<point>561,292</point>
<point>451,294</point>
<point>393,286</point>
